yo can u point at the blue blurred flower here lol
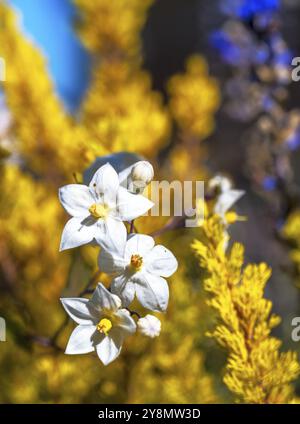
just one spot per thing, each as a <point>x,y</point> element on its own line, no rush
<point>247,9</point>
<point>269,183</point>
<point>261,55</point>
<point>293,141</point>
<point>283,58</point>
<point>268,103</point>
<point>236,48</point>
<point>228,51</point>
<point>263,20</point>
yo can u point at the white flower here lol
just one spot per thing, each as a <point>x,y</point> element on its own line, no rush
<point>102,326</point>
<point>226,196</point>
<point>220,182</point>
<point>140,266</point>
<point>98,210</point>
<point>149,326</point>
<point>137,176</point>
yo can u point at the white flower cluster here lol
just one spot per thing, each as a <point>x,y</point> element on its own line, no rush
<point>136,265</point>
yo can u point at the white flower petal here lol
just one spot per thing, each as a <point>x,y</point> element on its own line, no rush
<point>152,291</point>
<point>111,235</point>
<point>77,308</point>
<point>138,244</point>
<point>226,200</point>
<point>131,206</point>
<point>161,261</point>
<point>126,323</point>
<point>110,347</point>
<point>76,233</point>
<point>81,340</point>
<point>103,299</point>
<point>219,181</point>
<point>124,288</point>
<point>105,184</point>
<point>76,199</point>
<point>110,262</point>
<point>118,301</point>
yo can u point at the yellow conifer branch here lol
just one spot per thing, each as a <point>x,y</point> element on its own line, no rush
<point>256,371</point>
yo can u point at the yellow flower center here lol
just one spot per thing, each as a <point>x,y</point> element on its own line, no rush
<point>104,326</point>
<point>136,262</point>
<point>231,217</point>
<point>98,210</point>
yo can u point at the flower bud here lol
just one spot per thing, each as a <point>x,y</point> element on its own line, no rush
<point>142,174</point>
<point>149,326</point>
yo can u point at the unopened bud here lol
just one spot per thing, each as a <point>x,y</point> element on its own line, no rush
<point>142,174</point>
<point>149,326</point>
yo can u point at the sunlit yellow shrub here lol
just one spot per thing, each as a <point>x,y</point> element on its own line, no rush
<point>121,111</point>
<point>119,22</point>
<point>194,98</point>
<point>28,226</point>
<point>256,371</point>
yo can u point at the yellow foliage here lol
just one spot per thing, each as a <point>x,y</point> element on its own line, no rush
<point>170,368</point>
<point>29,235</point>
<point>120,112</point>
<point>119,23</point>
<point>49,140</point>
<point>123,113</point>
<point>194,98</point>
<point>291,232</point>
<point>256,372</point>
<point>31,269</point>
